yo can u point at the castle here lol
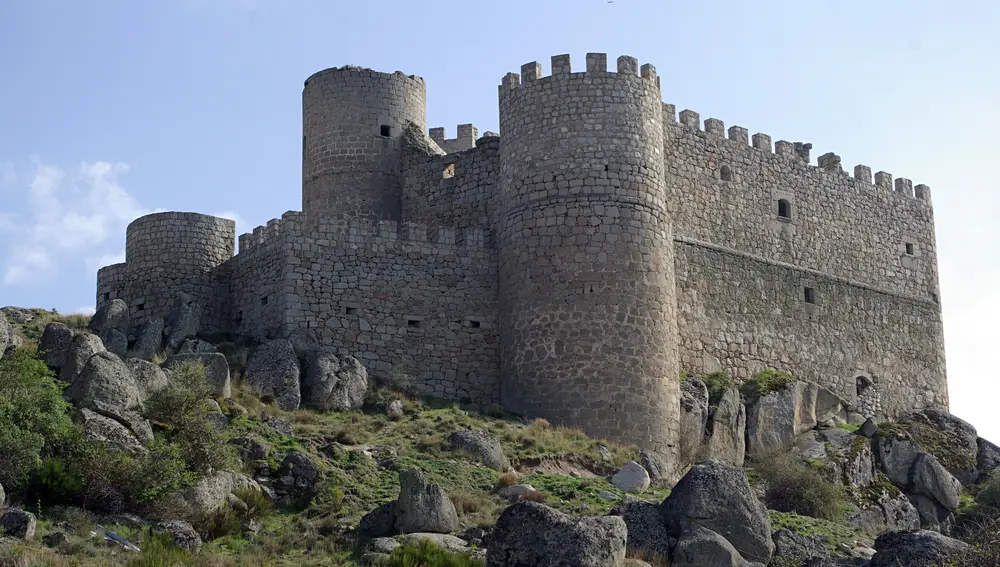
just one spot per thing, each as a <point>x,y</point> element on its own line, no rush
<point>572,266</point>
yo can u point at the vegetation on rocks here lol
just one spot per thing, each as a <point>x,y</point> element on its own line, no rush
<point>793,486</point>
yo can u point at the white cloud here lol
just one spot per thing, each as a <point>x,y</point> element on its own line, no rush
<point>83,311</point>
<point>69,217</point>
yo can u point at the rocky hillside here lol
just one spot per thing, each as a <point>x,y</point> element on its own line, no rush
<point>157,444</point>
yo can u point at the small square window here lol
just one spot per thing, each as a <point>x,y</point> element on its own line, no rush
<point>449,171</point>
<point>263,300</point>
<point>350,310</point>
<point>140,307</point>
<point>473,324</point>
<point>107,295</point>
<point>414,323</point>
<point>909,249</point>
<point>385,130</point>
<point>810,295</point>
<point>784,209</point>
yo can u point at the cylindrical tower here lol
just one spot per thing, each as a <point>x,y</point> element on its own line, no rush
<point>167,253</point>
<point>587,306</point>
<point>352,126</point>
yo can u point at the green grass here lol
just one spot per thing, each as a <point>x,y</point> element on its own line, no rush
<point>831,533</point>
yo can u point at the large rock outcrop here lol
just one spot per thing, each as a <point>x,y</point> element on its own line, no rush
<point>482,447</point>
<point>529,534</point>
<point>54,346</point>
<point>273,371</point>
<point>693,419</point>
<point>112,315</point>
<point>423,507</point>
<point>333,382</point>
<point>776,419</point>
<point>183,322</point>
<point>727,429</point>
<point>81,349</point>
<point>917,549</point>
<point>716,495</point>
<point>4,333</point>
<point>952,440</point>
<point>648,538</point>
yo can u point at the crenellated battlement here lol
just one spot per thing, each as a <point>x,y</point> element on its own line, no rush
<point>464,140</point>
<point>794,152</point>
<point>381,235</point>
<point>597,64</point>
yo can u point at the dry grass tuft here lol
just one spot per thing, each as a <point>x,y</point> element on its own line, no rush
<point>509,478</point>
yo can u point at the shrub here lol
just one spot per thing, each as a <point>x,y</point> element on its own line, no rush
<point>765,382</point>
<point>180,410</point>
<point>117,480</point>
<point>425,553</point>
<point>258,504</point>
<point>984,537</point>
<point>59,480</point>
<point>34,418</point>
<point>717,384</point>
<point>791,486</point>
<point>508,478</point>
<point>989,491</point>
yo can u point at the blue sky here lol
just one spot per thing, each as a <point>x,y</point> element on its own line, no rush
<point>112,109</point>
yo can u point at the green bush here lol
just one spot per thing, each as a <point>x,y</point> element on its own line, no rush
<point>425,553</point>
<point>764,383</point>
<point>117,480</point>
<point>180,410</point>
<point>791,486</point>
<point>717,384</point>
<point>34,418</point>
<point>59,481</point>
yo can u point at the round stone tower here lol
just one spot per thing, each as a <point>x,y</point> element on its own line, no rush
<point>167,253</point>
<point>587,307</point>
<point>352,125</point>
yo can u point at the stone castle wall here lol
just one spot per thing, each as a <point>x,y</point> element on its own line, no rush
<point>457,190</point>
<point>588,331</point>
<point>409,301</point>
<point>599,247</point>
<point>166,253</point>
<point>352,123</point>
<point>725,191</point>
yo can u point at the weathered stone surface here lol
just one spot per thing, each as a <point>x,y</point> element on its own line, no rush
<point>950,439</point>
<point>931,479</point>
<point>333,382</point>
<point>115,341</point>
<point>395,409</point>
<point>829,407</point>
<point>529,534</point>
<point>896,458</point>
<point>631,478</point>
<point>149,339</point>
<point>83,346</point>
<point>273,371</point>
<point>182,534</point>
<point>693,419</point>
<point>105,384</point>
<point>384,545</point>
<point>112,315</point>
<point>699,546</point>
<point>449,543</point>
<point>149,378</point>
<point>717,496</point>
<point>380,521</point>
<point>54,346</point>
<point>987,457</point>
<point>298,477</point>
<point>482,446</point>
<point>109,431</point>
<point>847,456</point>
<point>660,471</point>
<point>792,548</point>
<point>15,522</point>
<point>775,420</point>
<point>15,340</point>
<point>423,507</point>
<point>727,426</point>
<point>216,370</point>
<point>647,530</point>
<point>932,515</point>
<point>183,322</point>
<point>916,549</point>
<point>868,428</point>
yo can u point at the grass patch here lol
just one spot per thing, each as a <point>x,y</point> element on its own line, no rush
<point>830,533</point>
<point>764,383</point>
<point>791,486</point>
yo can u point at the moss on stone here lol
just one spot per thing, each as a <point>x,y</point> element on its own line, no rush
<point>831,534</point>
<point>766,382</point>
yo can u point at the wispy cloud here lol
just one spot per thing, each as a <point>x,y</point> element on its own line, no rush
<point>69,217</point>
